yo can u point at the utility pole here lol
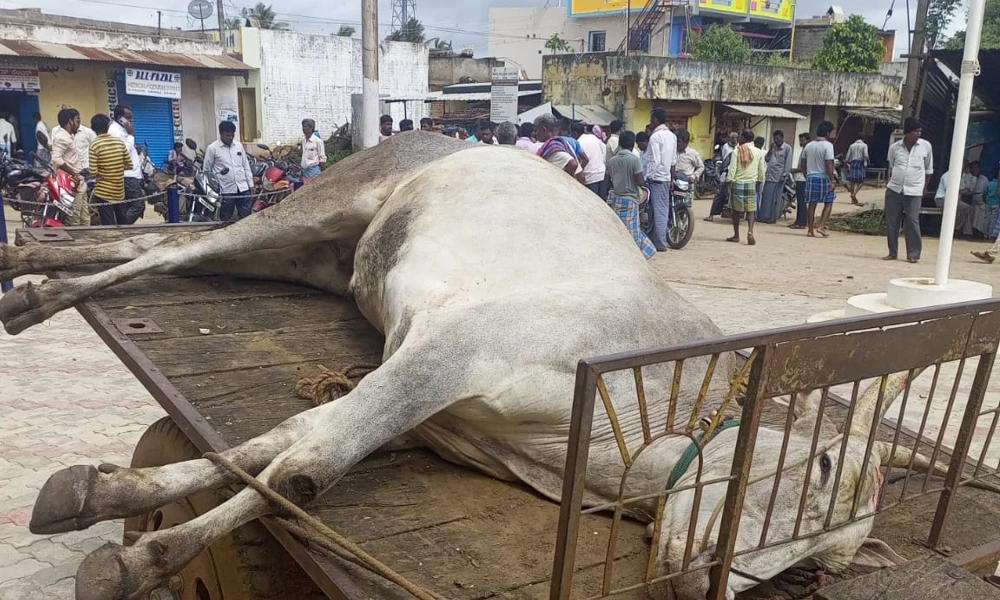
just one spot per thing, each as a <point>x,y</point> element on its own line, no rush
<point>222,24</point>
<point>369,73</point>
<point>914,60</point>
<point>970,68</point>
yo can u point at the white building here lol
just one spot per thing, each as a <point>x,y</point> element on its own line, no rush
<point>178,84</point>
<point>518,35</point>
<point>303,76</point>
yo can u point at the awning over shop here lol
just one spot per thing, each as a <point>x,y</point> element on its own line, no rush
<point>774,112</point>
<point>891,116</point>
<point>592,114</point>
<point>442,97</point>
<point>20,49</point>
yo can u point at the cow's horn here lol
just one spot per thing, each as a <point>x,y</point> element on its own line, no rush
<point>865,409</point>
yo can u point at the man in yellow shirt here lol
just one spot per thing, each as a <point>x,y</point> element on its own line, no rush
<point>109,159</point>
<point>745,177</point>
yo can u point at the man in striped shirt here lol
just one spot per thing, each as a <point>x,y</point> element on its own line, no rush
<point>109,160</point>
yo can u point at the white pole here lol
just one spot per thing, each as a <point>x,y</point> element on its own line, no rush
<point>369,73</point>
<point>970,68</point>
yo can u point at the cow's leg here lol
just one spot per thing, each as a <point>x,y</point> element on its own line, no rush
<point>40,258</point>
<point>410,387</point>
<point>325,265</point>
<point>80,496</point>
<point>29,304</point>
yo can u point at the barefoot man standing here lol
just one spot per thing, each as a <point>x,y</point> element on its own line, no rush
<point>817,164</point>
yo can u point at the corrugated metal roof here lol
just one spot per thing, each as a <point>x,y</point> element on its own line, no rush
<point>592,114</point>
<point>439,97</point>
<point>879,115</point>
<point>774,112</point>
<point>21,48</point>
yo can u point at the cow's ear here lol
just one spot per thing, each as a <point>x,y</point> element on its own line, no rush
<point>878,554</point>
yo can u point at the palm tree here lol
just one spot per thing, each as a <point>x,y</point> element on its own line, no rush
<point>265,16</point>
<point>412,31</point>
<point>346,31</point>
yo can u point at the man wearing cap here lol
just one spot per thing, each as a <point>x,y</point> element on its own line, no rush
<point>911,163</point>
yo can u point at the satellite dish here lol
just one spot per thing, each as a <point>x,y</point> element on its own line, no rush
<point>200,9</point>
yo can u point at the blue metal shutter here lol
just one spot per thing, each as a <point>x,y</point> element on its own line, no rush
<point>154,122</point>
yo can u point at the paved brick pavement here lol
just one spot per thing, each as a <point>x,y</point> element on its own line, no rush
<point>65,400</point>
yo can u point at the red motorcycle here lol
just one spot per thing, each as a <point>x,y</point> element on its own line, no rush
<point>44,200</point>
<point>276,182</point>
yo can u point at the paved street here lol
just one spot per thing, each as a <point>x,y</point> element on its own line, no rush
<point>66,400</point>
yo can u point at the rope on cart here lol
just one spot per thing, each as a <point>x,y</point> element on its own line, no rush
<point>321,535</point>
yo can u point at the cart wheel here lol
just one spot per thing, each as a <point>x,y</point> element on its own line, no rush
<point>247,564</point>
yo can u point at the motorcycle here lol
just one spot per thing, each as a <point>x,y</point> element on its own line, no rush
<point>277,180</point>
<point>204,197</point>
<point>43,199</point>
<point>681,227</point>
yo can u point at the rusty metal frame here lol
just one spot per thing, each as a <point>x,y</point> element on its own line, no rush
<point>932,336</point>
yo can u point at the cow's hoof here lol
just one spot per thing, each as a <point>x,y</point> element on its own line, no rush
<point>62,505</point>
<point>8,262</point>
<point>103,575</point>
<point>21,308</point>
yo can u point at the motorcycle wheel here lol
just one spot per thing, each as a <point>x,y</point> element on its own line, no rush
<point>682,230</point>
<point>645,218</point>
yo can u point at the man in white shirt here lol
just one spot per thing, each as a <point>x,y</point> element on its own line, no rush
<point>615,127</point>
<point>8,135</point>
<point>557,149</point>
<point>313,151</point>
<point>731,143</point>
<point>122,127</point>
<point>83,138</point>
<point>42,132</point>
<point>226,161</point>
<point>662,164</point>
<point>911,162</point>
<point>594,148</point>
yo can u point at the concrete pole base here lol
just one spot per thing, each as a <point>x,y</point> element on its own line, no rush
<point>909,293</point>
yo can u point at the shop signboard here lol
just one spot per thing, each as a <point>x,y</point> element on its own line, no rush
<point>503,94</point>
<point>773,10</point>
<point>597,8</point>
<point>159,84</point>
<point>733,7</point>
<point>20,80</point>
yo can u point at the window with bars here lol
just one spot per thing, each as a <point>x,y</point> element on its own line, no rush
<point>597,41</point>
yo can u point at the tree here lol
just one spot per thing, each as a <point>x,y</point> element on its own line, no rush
<point>412,31</point>
<point>234,23</point>
<point>346,31</point>
<point>939,14</point>
<point>851,47</point>
<point>557,44</point>
<point>991,30</point>
<point>265,16</point>
<point>719,44</point>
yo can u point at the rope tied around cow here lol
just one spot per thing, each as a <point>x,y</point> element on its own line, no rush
<point>330,385</point>
<point>319,534</point>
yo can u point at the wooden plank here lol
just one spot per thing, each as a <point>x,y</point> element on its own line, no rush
<point>103,235</point>
<point>242,315</point>
<point>932,578</point>
<point>205,290</point>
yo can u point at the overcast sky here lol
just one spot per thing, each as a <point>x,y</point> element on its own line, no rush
<point>465,22</point>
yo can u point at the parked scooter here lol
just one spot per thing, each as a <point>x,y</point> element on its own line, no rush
<point>204,200</point>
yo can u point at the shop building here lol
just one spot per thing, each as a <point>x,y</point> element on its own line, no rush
<point>178,84</point>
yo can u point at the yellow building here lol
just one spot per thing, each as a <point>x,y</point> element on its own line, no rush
<point>712,99</point>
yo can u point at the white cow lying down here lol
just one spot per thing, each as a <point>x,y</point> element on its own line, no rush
<point>491,274</point>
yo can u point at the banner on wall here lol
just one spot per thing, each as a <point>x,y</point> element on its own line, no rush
<point>733,7</point>
<point>20,80</point>
<point>774,10</point>
<point>159,84</point>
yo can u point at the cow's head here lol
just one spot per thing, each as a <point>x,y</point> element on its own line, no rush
<point>833,550</point>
